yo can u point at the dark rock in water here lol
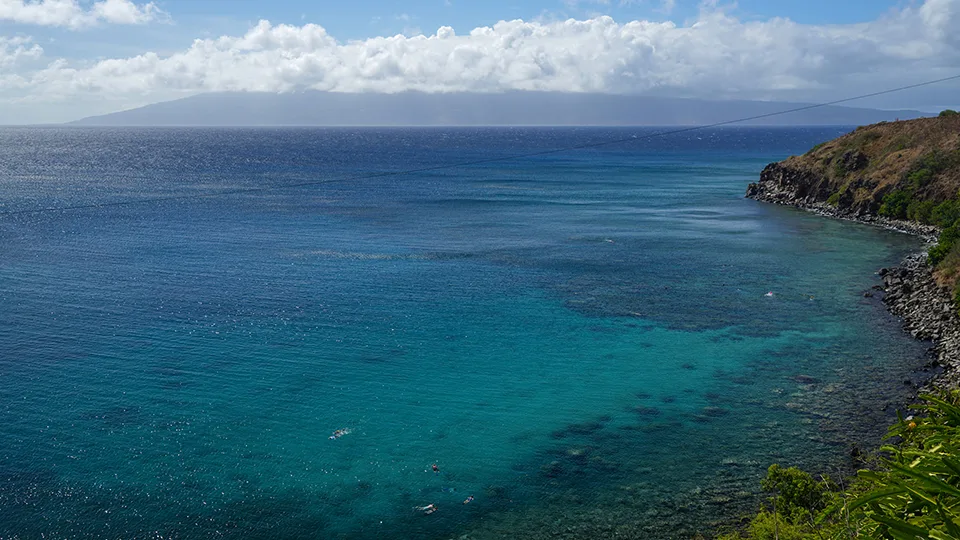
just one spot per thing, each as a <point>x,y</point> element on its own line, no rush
<point>715,411</point>
<point>806,379</point>
<point>868,295</point>
<point>857,455</point>
<point>644,411</point>
<point>495,492</point>
<point>364,487</point>
<point>585,428</point>
<point>552,469</point>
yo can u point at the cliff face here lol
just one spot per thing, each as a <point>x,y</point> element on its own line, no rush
<point>856,174</point>
<point>782,183</point>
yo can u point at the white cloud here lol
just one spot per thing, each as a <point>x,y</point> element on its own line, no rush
<point>69,13</point>
<point>13,50</point>
<point>715,56</point>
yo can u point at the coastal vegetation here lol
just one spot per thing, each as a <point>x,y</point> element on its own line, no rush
<point>910,490</point>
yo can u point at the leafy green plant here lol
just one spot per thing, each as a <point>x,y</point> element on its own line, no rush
<point>895,203</point>
<point>770,526</point>
<point>796,494</point>
<point>948,112</point>
<point>920,211</point>
<point>929,165</point>
<point>945,213</point>
<point>948,237</point>
<point>917,494</point>
<point>839,169</point>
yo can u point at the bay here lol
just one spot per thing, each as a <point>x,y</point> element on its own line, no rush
<point>583,341</point>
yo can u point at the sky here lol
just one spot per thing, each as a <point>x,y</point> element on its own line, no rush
<point>62,60</point>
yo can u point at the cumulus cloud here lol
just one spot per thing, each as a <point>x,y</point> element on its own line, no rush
<point>70,14</point>
<point>13,50</point>
<point>717,55</point>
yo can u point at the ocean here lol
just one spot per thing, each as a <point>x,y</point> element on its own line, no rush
<point>600,341</point>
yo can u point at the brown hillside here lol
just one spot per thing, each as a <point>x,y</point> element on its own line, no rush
<point>854,172</point>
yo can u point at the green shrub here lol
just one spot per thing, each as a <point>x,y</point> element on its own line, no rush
<point>948,112</point>
<point>920,211</point>
<point>937,253</point>
<point>839,169</point>
<point>834,199</point>
<point>895,204</point>
<point>948,237</point>
<point>920,177</point>
<point>769,526</point>
<point>945,213</point>
<point>796,494</point>
<point>901,142</point>
<point>929,165</point>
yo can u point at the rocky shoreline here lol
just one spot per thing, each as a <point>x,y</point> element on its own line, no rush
<point>787,186</point>
<point>910,290</point>
<point>928,313</point>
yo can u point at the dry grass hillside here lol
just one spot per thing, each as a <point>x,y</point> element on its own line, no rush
<point>915,160</point>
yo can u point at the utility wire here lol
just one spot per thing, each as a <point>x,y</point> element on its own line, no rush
<point>369,176</point>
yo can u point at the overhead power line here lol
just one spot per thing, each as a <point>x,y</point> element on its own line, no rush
<point>369,176</point>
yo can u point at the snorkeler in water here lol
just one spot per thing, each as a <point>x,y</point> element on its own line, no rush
<point>428,509</point>
<point>340,433</point>
<point>468,499</point>
<point>435,468</point>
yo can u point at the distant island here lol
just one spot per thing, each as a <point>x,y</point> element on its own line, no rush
<point>315,108</point>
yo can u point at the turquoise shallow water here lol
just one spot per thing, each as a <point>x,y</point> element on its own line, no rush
<point>580,341</point>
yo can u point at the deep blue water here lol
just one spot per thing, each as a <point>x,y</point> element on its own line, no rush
<point>579,340</point>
